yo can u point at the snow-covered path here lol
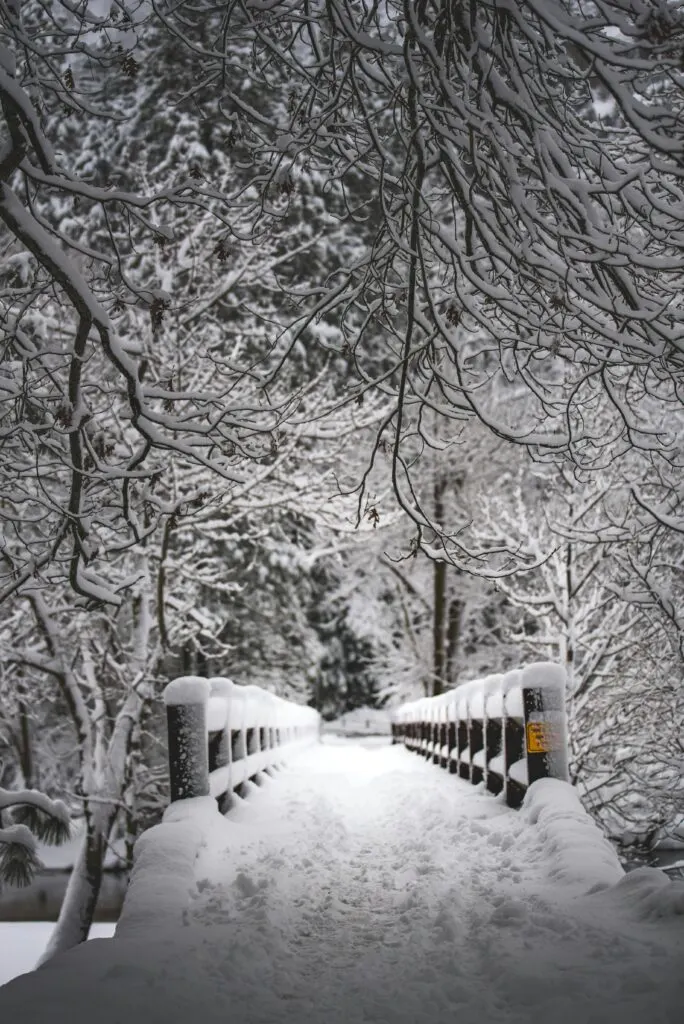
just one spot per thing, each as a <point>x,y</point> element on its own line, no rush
<point>364,885</point>
<point>367,885</point>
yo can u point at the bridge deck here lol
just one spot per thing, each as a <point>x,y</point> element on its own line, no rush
<point>367,885</point>
<point>364,885</point>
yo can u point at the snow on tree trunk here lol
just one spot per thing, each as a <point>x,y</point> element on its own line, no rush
<point>83,889</point>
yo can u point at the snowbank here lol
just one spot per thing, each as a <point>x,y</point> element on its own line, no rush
<point>578,854</point>
<point>23,943</point>
<point>163,876</point>
<point>649,894</point>
<point>576,850</point>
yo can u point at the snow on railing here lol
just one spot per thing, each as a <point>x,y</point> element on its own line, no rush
<point>221,735</point>
<point>505,730</point>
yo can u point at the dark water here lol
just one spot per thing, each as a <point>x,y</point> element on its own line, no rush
<point>41,900</point>
<point>670,861</point>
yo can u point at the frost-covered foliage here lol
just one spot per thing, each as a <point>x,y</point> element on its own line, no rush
<point>145,313</point>
<point>599,595</point>
<point>517,234</point>
<point>213,214</point>
<point>154,410</point>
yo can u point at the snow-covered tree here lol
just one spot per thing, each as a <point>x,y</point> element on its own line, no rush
<point>594,615</point>
<point>518,235</point>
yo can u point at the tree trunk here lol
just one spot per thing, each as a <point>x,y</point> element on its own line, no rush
<point>439,613</point>
<point>453,637</point>
<point>25,747</point>
<point>78,907</point>
<point>438,628</point>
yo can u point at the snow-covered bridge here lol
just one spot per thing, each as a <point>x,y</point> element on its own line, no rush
<point>364,884</point>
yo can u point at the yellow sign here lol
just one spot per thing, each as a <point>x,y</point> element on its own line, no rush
<point>540,737</point>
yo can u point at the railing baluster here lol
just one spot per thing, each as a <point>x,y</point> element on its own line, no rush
<point>186,714</point>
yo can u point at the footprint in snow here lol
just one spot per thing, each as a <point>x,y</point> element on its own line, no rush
<point>509,912</point>
<point>246,886</point>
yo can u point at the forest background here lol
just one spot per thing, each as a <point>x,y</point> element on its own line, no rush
<point>342,355</point>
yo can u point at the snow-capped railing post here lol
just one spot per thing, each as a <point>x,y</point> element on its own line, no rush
<point>462,766</point>
<point>451,743</point>
<point>506,731</point>
<point>186,715</point>
<point>513,735</point>
<point>219,723</point>
<point>442,736</point>
<point>476,717</point>
<point>220,712</point>
<point>545,725</point>
<point>494,738</point>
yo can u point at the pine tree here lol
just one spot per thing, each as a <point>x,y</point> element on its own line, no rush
<point>32,816</point>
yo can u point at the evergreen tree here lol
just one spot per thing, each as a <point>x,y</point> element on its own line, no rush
<point>31,816</point>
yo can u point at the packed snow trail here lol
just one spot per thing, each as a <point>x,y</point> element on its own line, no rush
<point>368,885</point>
<point>364,885</point>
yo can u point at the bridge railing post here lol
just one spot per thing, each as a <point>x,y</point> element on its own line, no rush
<point>543,687</point>
<point>494,736</point>
<point>476,743</point>
<point>443,751</point>
<point>429,714</point>
<point>452,738</point>
<point>221,747</point>
<point>463,733</point>
<point>186,716</point>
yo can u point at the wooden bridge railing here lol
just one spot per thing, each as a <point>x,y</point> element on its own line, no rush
<point>505,730</point>
<point>221,735</point>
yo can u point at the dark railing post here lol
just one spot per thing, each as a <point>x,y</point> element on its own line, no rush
<point>186,715</point>
<point>476,746</point>
<point>543,688</point>
<point>443,745</point>
<point>223,688</point>
<point>462,743</point>
<point>452,758</point>
<point>513,736</point>
<point>493,748</point>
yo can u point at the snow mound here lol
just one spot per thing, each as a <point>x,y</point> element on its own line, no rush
<point>575,849</point>
<point>163,877</point>
<point>649,894</point>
